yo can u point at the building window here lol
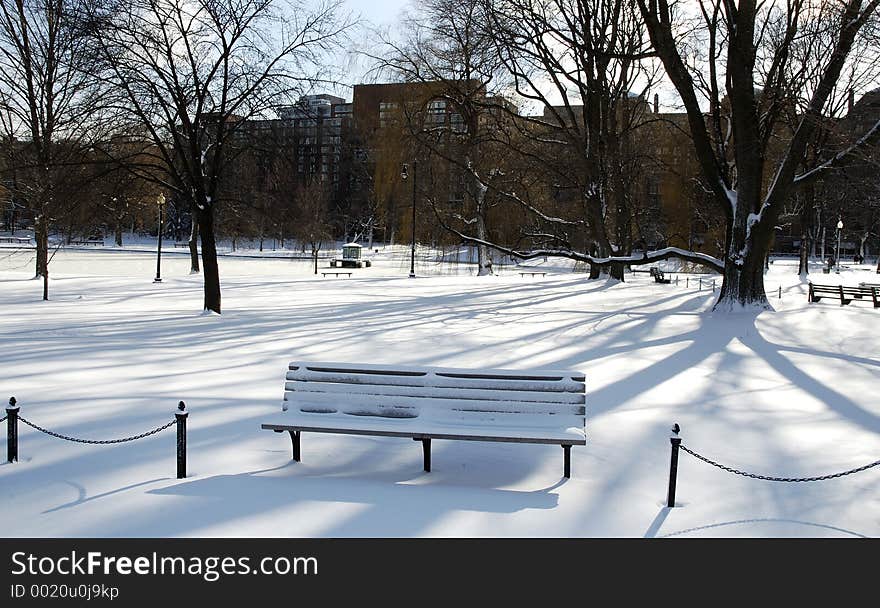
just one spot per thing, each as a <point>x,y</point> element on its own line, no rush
<point>457,123</point>
<point>437,112</point>
<point>387,113</point>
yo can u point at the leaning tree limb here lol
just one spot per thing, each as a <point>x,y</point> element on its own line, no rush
<point>648,257</point>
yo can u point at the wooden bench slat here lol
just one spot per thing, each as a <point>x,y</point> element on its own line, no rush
<point>413,370</point>
<point>570,386</point>
<point>571,436</point>
<point>493,379</point>
<point>433,391</point>
<point>420,404</point>
<point>369,416</point>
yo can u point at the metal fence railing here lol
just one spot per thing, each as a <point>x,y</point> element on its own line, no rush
<point>13,416</point>
<point>675,440</point>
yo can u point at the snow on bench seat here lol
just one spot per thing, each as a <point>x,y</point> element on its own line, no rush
<point>531,406</point>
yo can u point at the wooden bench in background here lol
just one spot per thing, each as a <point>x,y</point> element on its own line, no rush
<point>426,403</point>
<point>658,275</point>
<point>844,293</point>
<point>522,274</point>
<point>93,242</point>
<point>335,273</point>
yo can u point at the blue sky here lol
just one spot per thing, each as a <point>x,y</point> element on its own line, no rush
<point>373,14</point>
<point>377,11</point>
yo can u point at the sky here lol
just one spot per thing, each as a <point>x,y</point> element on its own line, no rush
<point>377,11</point>
<point>372,14</point>
<point>378,15</point>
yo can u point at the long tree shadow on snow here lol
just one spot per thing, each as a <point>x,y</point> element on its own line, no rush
<point>755,524</point>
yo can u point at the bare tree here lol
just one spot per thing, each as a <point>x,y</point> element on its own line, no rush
<point>312,226</point>
<point>750,77</point>
<point>585,65</point>
<point>190,70</point>
<point>50,108</point>
<point>449,48</point>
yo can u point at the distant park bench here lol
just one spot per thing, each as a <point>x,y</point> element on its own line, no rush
<point>522,274</point>
<point>181,244</point>
<point>93,242</point>
<point>658,275</point>
<point>844,294</point>
<point>425,403</point>
<point>15,239</point>
<point>335,273</point>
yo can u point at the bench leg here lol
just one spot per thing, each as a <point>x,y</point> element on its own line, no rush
<point>294,439</point>
<point>567,466</point>
<point>426,451</point>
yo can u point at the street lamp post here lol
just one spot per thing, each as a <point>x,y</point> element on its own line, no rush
<point>404,174</point>
<point>160,200</point>
<point>839,230</point>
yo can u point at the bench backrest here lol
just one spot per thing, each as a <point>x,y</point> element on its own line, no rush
<point>543,398</point>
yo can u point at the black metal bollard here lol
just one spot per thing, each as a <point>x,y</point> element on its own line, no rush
<point>181,416</point>
<point>12,431</point>
<point>675,440</point>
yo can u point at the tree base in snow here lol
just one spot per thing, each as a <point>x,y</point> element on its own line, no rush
<point>728,305</point>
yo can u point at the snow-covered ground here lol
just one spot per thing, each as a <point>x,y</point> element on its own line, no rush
<point>792,392</point>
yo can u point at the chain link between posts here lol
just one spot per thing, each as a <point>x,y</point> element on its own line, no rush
<point>94,441</point>
<point>769,478</point>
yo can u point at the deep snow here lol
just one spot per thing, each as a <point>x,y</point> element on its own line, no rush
<point>792,392</point>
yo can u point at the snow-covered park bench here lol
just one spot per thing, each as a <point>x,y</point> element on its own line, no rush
<point>843,293</point>
<point>425,403</point>
<point>658,275</point>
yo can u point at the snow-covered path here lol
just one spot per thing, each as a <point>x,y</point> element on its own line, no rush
<point>794,392</point>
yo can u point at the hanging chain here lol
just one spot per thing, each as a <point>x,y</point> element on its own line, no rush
<point>93,441</point>
<point>786,479</point>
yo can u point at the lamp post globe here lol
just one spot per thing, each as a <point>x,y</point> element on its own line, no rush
<point>839,231</point>
<point>404,174</point>
<point>160,201</point>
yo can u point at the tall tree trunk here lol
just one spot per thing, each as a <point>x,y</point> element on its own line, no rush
<point>41,238</point>
<point>118,232</point>
<point>747,249</point>
<point>806,242</point>
<point>194,247</point>
<point>603,249</point>
<point>209,258</point>
<point>484,259</point>
<point>806,219</point>
<point>803,254</point>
